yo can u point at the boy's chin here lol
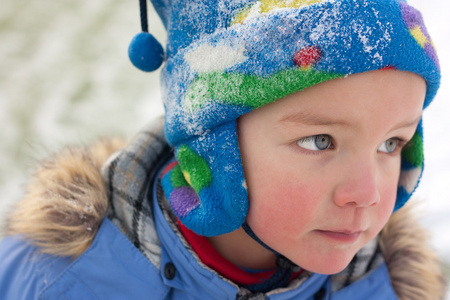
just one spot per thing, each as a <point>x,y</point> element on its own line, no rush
<point>327,265</point>
<point>328,269</point>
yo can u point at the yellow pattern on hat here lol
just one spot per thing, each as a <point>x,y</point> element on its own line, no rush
<point>419,36</point>
<point>266,6</point>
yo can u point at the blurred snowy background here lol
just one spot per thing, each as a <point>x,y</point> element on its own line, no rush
<point>65,79</point>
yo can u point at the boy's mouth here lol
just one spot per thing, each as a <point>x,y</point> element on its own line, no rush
<point>342,236</point>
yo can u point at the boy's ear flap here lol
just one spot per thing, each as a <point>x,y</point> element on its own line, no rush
<point>412,164</point>
<point>207,191</point>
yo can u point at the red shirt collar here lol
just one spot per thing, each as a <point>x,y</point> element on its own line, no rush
<point>213,259</point>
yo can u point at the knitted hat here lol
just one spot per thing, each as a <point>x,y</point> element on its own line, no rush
<point>226,58</point>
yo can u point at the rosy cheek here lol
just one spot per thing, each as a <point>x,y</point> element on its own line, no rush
<point>385,208</point>
<point>285,209</point>
<point>388,200</point>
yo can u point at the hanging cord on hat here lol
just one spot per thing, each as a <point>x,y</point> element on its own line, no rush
<point>143,9</point>
<point>285,268</point>
<point>145,52</point>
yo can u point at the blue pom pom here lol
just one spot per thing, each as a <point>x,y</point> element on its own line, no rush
<point>145,52</point>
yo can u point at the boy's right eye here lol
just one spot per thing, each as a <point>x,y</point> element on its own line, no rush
<point>318,142</point>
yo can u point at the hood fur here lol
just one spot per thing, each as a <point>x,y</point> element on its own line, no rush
<point>413,267</point>
<point>67,201</point>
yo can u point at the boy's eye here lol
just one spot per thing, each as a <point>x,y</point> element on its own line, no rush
<point>315,142</point>
<point>389,146</point>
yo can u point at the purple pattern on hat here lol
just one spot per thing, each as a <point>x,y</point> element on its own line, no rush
<point>183,200</point>
<point>413,18</point>
<point>431,52</point>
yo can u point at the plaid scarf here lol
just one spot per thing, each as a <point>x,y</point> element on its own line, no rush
<point>127,175</point>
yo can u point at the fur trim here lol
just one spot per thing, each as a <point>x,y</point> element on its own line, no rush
<point>413,267</point>
<point>66,201</point>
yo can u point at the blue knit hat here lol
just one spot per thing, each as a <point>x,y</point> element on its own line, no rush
<point>226,58</point>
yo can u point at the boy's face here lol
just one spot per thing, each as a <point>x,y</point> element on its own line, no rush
<point>322,165</point>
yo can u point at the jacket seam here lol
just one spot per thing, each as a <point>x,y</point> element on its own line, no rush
<point>79,259</point>
<point>67,270</point>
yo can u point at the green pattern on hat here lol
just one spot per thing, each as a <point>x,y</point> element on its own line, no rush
<point>413,152</point>
<point>195,169</point>
<point>250,90</point>
<point>177,178</point>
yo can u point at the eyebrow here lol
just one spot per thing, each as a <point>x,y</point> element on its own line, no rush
<point>407,124</point>
<point>306,118</point>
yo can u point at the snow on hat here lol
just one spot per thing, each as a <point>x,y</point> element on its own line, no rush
<point>226,58</point>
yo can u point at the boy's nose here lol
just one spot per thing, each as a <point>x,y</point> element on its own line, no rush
<point>357,186</point>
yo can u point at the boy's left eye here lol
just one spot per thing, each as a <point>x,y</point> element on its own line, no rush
<point>389,146</point>
<point>315,142</point>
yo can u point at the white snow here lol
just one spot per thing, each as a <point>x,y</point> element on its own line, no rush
<point>209,58</point>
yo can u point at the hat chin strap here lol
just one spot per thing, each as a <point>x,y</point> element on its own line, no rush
<point>250,232</point>
<point>282,261</point>
<point>285,267</point>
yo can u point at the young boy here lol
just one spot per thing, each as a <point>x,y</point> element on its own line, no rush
<point>292,132</point>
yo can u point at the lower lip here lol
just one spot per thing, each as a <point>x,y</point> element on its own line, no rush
<point>340,236</point>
